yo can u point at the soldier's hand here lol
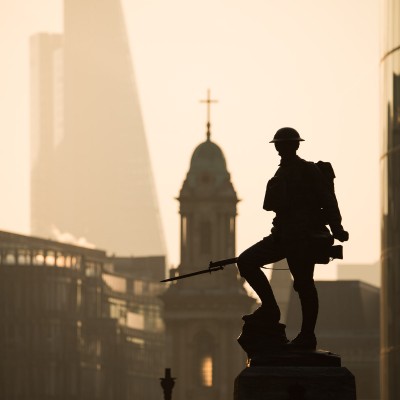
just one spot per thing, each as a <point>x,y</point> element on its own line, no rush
<point>341,235</point>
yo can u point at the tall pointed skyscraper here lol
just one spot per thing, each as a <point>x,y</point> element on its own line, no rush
<point>98,182</point>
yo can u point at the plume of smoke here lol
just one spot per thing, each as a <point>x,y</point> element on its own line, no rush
<point>66,237</point>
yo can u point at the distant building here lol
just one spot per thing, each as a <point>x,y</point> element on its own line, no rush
<point>73,328</point>
<point>348,324</point>
<point>390,224</point>
<point>368,273</point>
<point>46,126</point>
<point>282,285</point>
<point>150,268</point>
<point>91,174</point>
<point>202,314</point>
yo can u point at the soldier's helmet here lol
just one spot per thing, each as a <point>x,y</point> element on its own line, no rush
<point>286,135</point>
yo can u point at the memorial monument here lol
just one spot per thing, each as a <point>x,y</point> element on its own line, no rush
<point>302,195</point>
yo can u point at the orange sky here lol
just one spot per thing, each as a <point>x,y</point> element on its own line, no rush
<point>313,65</point>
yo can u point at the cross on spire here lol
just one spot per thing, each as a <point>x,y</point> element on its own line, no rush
<point>208,101</point>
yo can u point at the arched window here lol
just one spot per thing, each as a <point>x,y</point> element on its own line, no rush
<point>206,365</point>
<point>204,359</point>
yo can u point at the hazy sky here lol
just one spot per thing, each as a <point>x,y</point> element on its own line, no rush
<point>311,64</point>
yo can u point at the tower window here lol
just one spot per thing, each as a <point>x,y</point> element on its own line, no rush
<point>232,225</point>
<point>205,237</point>
<point>206,370</point>
<point>205,179</point>
<point>184,230</point>
<point>204,357</point>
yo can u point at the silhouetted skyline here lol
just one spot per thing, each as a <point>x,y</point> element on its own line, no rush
<point>311,65</point>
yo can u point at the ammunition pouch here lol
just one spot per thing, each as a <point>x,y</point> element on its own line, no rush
<point>323,249</point>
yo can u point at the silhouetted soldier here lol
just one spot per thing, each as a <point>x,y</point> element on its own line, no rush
<point>304,204</point>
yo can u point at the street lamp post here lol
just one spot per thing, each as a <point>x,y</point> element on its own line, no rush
<point>167,384</point>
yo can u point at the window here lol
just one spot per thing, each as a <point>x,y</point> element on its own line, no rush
<point>205,237</point>
<point>204,356</point>
<point>206,371</point>
<point>184,231</point>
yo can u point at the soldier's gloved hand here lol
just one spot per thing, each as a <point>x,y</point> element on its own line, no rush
<point>340,234</point>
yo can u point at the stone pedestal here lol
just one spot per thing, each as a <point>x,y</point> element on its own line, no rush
<point>313,375</point>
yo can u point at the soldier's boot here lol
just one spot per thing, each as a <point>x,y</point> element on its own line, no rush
<point>303,341</point>
<point>264,313</point>
<point>309,306</point>
<point>269,309</point>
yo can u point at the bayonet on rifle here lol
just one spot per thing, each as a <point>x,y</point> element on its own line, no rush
<point>212,267</point>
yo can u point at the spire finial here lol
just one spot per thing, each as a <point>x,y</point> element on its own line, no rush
<point>208,101</point>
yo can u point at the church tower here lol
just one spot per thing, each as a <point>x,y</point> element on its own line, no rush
<point>203,313</point>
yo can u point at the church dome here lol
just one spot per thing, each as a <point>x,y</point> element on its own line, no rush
<point>208,156</point>
<point>208,176</point>
<point>207,167</point>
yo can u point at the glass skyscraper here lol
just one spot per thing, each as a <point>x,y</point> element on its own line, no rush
<point>91,172</point>
<point>390,166</point>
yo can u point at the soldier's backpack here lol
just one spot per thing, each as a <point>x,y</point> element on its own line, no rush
<point>328,173</point>
<point>325,251</point>
<point>276,193</point>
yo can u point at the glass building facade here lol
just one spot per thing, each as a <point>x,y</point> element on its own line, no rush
<point>390,167</point>
<point>72,328</point>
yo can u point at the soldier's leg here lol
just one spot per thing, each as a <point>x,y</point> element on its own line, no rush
<point>267,251</point>
<point>302,269</point>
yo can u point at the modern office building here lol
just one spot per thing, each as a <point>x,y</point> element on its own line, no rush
<point>368,273</point>
<point>91,171</point>
<point>390,169</point>
<point>203,314</point>
<point>46,126</point>
<point>72,328</point>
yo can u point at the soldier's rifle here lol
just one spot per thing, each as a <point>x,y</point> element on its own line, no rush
<point>212,267</point>
<point>323,256</point>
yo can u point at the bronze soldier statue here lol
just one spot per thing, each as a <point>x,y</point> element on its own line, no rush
<point>304,201</point>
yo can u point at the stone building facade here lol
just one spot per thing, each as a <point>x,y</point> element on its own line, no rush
<point>202,314</point>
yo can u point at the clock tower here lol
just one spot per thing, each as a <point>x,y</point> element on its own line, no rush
<point>203,313</point>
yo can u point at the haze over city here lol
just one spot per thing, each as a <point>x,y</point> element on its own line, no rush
<point>313,66</point>
<point>136,138</point>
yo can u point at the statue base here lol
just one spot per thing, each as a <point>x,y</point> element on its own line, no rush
<point>295,383</point>
<point>295,358</point>
<point>277,371</point>
<point>260,337</point>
